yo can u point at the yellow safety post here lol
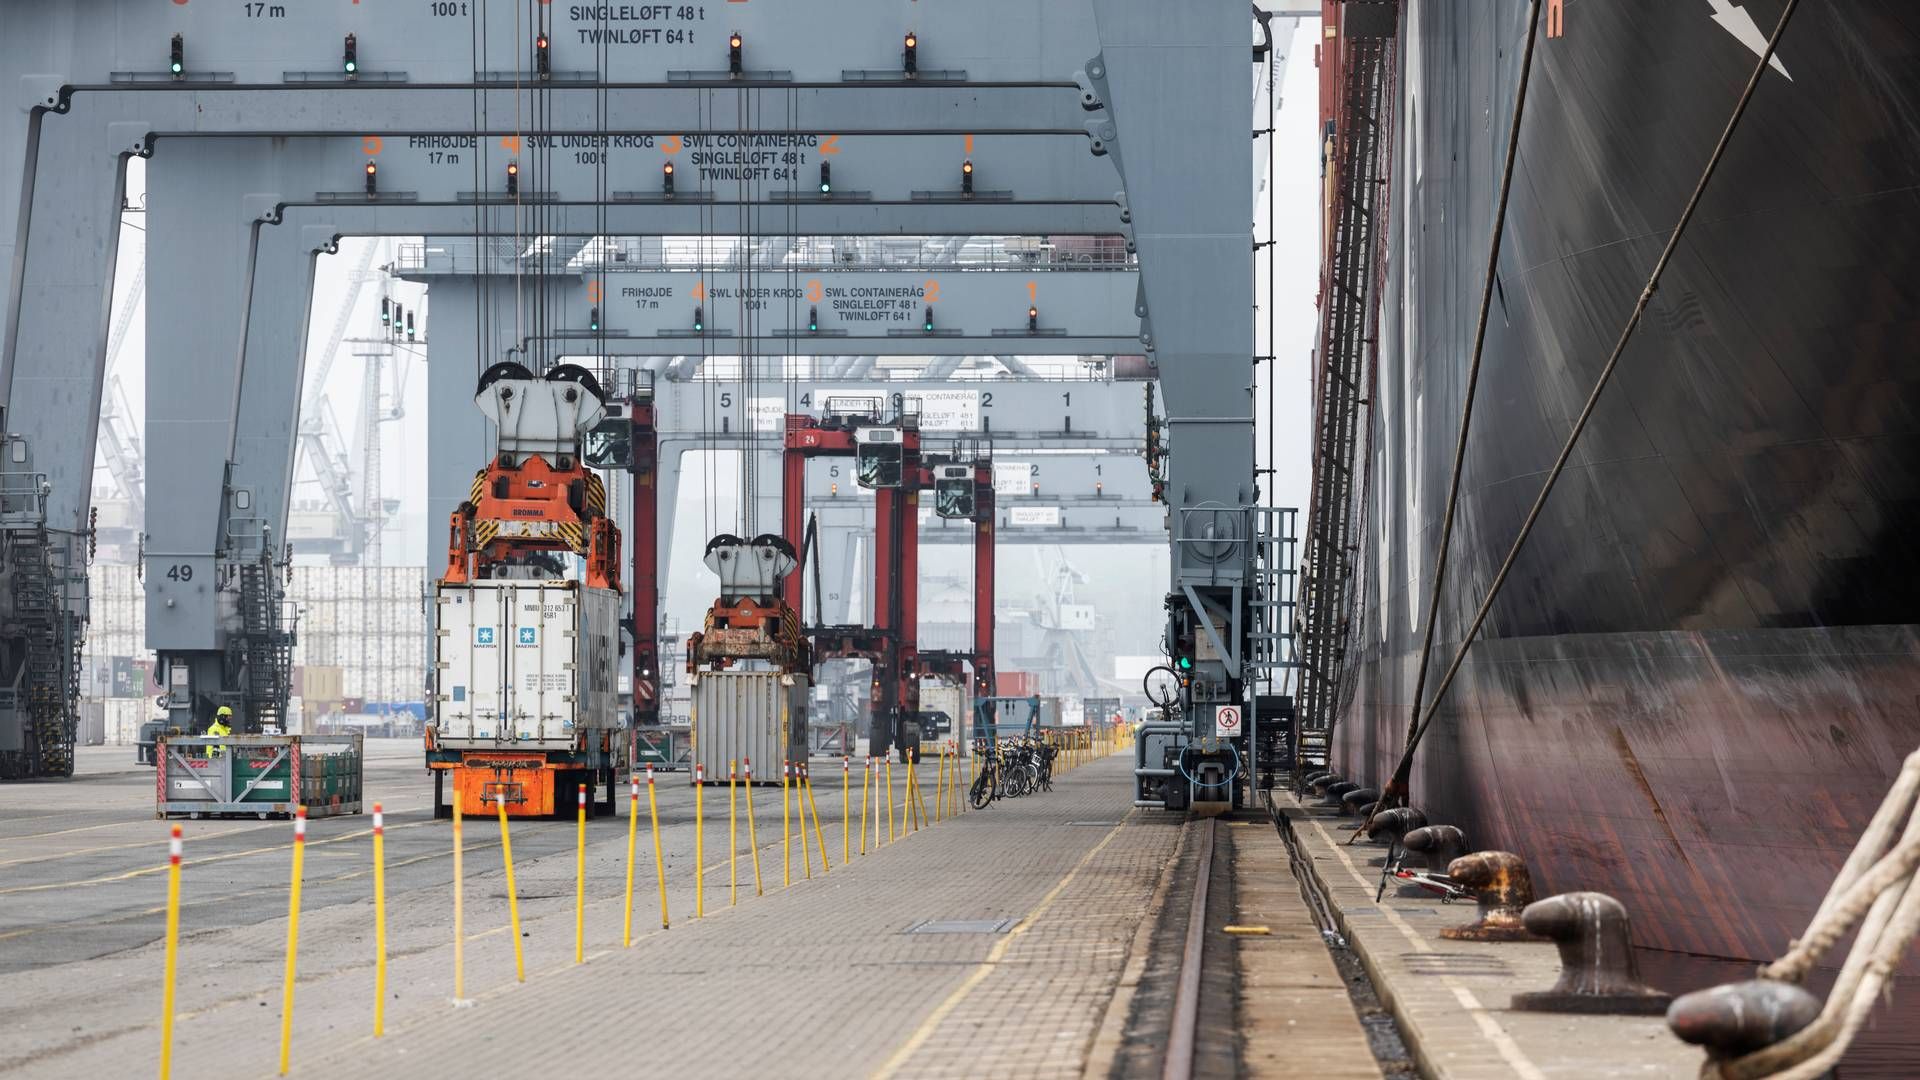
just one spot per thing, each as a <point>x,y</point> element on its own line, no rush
<point>173,953</point>
<point>753,832</point>
<point>846,810</point>
<point>874,765</point>
<point>906,797</point>
<point>580,879</point>
<point>819,838</point>
<point>379,922</point>
<point>866,778</point>
<point>293,937</point>
<point>786,826</point>
<point>889,761</point>
<point>513,894</point>
<point>733,833</point>
<point>633,833</point>
<point>800,809</point>
<point>699,841</point>
<point>940,788</point>
<point>920,795</point>
<point>459,910</point>
<point>659,860</point>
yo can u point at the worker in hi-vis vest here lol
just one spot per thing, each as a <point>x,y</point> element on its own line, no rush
<point>219,729</point>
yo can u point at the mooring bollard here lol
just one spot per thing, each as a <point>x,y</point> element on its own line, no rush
<point>1500,882</point>
<point>513,894</point>
<point>1394,825</point>
<point>1597,969</point>
<point>1741,1018</point>
<point>175,846</point>
<point>1439,845</point>
<point>1320,784</point>
<point>1359,801</point>
<point>1335,791</point>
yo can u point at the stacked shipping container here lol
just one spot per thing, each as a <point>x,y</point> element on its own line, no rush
<point>362,634</point>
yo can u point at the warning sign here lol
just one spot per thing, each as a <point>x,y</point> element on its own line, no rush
<point>1226,720</point>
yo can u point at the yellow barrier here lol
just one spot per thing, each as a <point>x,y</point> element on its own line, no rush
<point>293,937</point>
<point>866,778</point>
<point>580,880</point>
<point>513,894</point>
<point>889,761</point>
<point>940,786</point>
<point>753,834</point>
<point>379,922</point>
<point>919,793</point>
<point>733,834</point>
<point>786,826</point>
<point>699,841</point>
<point>459,912</point>
<point>659,859</point>
<point>800,808</point>
<point>174,846</point>
<point>819,837</point>
<point>846,810</point>
<point>633,831</point>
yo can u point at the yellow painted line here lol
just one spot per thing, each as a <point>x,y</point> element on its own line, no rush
<point>200,861</point>
<point>1256,931</point>
<point>123,847</point>
<point>980,972</point>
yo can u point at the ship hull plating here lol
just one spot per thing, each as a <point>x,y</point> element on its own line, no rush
<point>1704,671</point>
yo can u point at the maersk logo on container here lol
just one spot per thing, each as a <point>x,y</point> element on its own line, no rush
<point>529,635</point>
<point>483,635</point>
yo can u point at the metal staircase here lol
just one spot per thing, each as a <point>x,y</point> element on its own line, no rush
<point>265,645</point>
<point>1270,643</point>
<point>1358,144</point>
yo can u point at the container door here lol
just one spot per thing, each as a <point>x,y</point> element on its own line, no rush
<point>474,683</point>
<point>543,648</point>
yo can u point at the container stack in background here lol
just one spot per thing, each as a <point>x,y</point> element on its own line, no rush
<point>359,665</point>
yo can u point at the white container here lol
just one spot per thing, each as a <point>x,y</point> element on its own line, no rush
<point>748,715</point>
<point>525,664</point>
<point>952,700</point>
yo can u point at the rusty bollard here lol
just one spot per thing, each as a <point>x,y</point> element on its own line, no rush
<point>1319,784</point>
<point>1316,776</point>
<point>1501,883</point>
<point>1740,1018</point>
<point>1439,845</point>
<point>1597,970</point>
<point>1334,792</point>
<point>1394,825</point>
<point>1353,800</point>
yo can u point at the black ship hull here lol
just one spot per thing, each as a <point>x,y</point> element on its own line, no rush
<point>1705,670</point>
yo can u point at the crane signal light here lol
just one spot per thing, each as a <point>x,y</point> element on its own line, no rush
<point>666,179</point>
<point>966,178</point>
<point>593,319</point>
<point>813,320</point>
<point>826,178</point>
<point>409,326</point>
<point>699,319</point>
<point>373,184</point>
<point>926,323</point>
<point>733,55</point>
<point>542,59</point>
<point>910,55</point>
<point>1033,318</point>
<point>177,63</point>
<point>386,311</point>
<point>513,178</point>
<point>350,57</point>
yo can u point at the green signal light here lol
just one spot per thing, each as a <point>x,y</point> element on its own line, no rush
<point>1185,663</point>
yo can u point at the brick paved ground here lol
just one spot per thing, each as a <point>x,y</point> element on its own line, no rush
<point>1450,997</point>
<point>823,979</point>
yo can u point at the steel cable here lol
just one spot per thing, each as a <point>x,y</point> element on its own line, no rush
<point>1397,787</point>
